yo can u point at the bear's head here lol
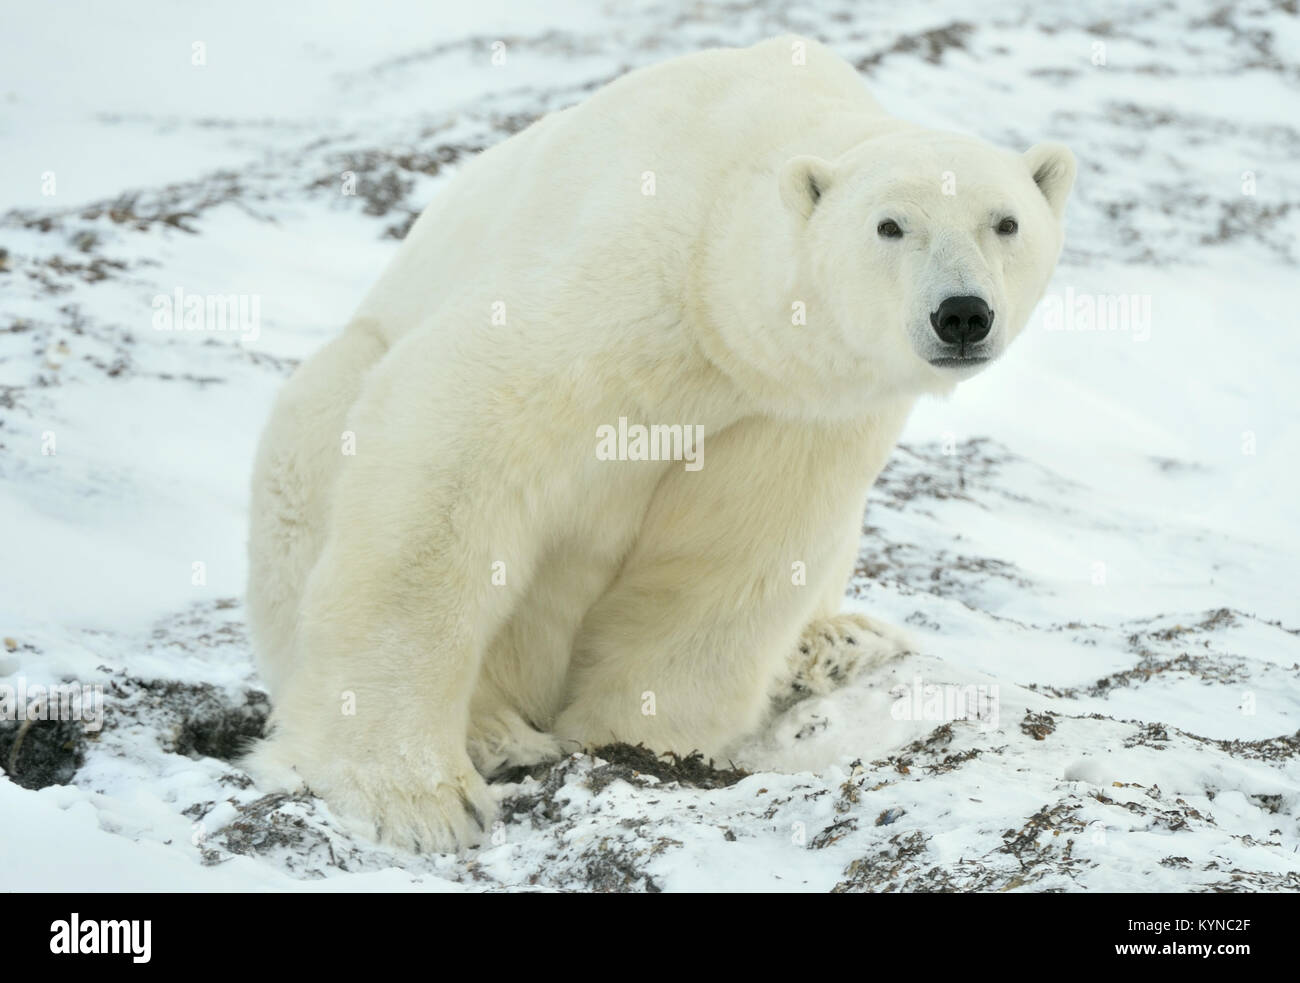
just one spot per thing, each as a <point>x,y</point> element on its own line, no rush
<point>928,250</point>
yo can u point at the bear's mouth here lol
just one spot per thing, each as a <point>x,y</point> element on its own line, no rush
<point>959,362</point>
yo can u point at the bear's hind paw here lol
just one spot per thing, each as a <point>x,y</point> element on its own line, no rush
<point>505,743</point>
<point>833,650</point>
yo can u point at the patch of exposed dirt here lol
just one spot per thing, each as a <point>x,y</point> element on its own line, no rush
<point>39,753</point>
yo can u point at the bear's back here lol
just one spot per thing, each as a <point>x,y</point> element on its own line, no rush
<point>623,183</point>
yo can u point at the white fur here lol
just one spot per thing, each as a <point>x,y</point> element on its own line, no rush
<point>371,587</point>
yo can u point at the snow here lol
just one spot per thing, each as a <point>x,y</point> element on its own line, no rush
<point>1100,531</point>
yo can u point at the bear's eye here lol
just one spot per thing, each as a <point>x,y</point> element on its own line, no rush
<point>1007,227</point>
<point>888,229</point>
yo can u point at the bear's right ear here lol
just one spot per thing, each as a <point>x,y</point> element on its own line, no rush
<point>1053,168</point>
<point>803,181</point>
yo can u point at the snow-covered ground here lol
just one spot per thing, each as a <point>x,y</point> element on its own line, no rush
<point>1095,540</point>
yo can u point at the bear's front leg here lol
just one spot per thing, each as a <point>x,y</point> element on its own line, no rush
<point>730,565</point>
<point>837,645</point>
<point>664,661</point>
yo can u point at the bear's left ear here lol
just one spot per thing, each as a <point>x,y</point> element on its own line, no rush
<point>1053,168</point>
<point>803,181</point>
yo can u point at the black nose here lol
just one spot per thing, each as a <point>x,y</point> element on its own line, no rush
<point>962,320</point>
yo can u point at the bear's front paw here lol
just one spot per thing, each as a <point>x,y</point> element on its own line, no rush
<point>425,805</point>
<point>416,812</point>
<point>832,650</point>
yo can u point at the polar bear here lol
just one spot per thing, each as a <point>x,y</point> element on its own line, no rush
<point>449,576</point>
